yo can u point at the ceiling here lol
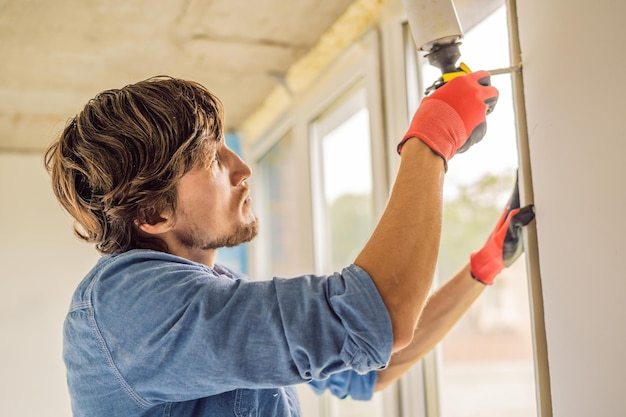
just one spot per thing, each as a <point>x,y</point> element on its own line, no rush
<point>56,55</point>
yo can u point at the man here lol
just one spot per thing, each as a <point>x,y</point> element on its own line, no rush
<point>157,328</point>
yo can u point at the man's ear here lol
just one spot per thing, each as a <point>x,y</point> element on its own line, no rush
<point>156,225</point>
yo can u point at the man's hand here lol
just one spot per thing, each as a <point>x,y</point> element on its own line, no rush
<point>505,243</point>
<point>453,118</point>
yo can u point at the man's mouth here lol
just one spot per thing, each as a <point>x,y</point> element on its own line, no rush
<point>246,198</point>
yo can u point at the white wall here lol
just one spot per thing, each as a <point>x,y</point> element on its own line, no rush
<point>40,264</point>
<point>573,59</point>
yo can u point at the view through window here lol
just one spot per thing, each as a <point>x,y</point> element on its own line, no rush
<point>486,365</point>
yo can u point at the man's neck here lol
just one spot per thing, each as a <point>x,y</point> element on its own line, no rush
<point>202,256</point>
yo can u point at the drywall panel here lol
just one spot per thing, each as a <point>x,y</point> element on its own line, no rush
<point>40,264</point>
<point>575,107</point>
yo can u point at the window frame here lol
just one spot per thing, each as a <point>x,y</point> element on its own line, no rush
<point>429,383</point>
<point>380,57</point>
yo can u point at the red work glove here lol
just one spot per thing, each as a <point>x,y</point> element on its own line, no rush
<point>452,119</point>
<point>505,243</point>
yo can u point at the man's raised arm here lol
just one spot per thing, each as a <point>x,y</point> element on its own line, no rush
<point>402,252</point>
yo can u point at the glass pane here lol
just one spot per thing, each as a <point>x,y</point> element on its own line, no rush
<point>345,199</point>
<point>276,172</point>
<point>347,187</point>
<point>487,366</point>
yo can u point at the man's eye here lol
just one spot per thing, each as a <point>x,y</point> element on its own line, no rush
<point>216,159</point>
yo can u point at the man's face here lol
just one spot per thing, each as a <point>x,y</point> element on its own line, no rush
<point>213,206</point>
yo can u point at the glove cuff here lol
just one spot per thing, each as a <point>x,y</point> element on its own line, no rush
<point>484,267</point>
<point>439,126</point>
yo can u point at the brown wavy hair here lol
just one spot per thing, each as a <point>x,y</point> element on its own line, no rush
<point>116,163</point>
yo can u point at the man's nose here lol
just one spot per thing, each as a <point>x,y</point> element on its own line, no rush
<point>240,170</point>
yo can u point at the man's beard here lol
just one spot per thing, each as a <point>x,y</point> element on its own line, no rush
<point>243,233</point>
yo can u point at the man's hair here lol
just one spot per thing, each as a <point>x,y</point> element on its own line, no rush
<point>116,164</point>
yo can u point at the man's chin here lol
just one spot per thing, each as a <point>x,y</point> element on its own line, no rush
<point>244,233</point>
<point>251,231</point>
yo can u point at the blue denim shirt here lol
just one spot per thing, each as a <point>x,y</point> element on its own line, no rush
<point>152,334</point>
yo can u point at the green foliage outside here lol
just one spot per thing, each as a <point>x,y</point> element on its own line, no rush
<point>469,218</point>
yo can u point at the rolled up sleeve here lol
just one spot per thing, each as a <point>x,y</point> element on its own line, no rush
<point>348,384</point>
<point>354,333</point>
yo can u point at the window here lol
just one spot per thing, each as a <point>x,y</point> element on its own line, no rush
<point>343,183</point>
<point>343,202</point>
<point>485,366</point>
<point>277,178</point>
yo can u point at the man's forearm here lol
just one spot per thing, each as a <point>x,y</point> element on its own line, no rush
<point>443,309</point>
